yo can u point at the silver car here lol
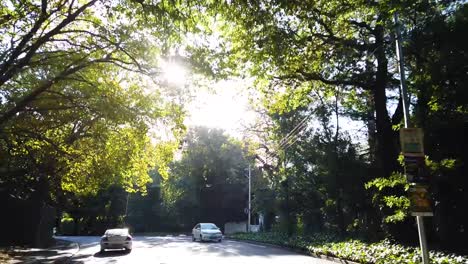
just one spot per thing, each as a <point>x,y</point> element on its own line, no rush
<point>207,232</point>
<point>116,239</point>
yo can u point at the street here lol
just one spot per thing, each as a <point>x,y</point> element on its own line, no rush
<point>181,249</point>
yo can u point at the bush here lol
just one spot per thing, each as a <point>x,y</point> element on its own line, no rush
<point>67,226</point>
<point>352,249</point>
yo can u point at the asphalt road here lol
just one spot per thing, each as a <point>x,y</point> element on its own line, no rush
<point>181,249</point>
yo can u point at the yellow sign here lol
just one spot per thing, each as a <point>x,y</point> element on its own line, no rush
<point>420,200</point>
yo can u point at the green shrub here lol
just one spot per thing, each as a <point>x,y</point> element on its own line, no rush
<point>352,249</point>
<point>67,226</point>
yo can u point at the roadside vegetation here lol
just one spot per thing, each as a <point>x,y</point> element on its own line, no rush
<point>356,250</point>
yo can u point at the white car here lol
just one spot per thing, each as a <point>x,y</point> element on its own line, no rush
<point>207,232</point>
<point>116,239</point>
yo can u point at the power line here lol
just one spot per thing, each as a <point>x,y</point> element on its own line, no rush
<point>286,142</point>
<point>295,128</point>
<point>295,131</point>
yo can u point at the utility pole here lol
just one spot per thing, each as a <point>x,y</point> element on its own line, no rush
<point>126,208</point>
<point>404,93</point>
<point>250,203</point>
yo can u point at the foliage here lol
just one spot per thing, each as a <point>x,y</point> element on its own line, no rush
<point>360,251</point>
<point>92,214</point>
<point>78,96</point>
<point>399,204</point>
<point>207,183</point>
<point>335,60</point>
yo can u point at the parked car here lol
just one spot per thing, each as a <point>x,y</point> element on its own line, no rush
<point>207,232</point>
<point>118,238</point>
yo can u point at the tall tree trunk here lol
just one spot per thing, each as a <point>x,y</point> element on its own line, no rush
<point>371,128</point>
<point>386,147</point>
<point>40,197</point>
<point>339,186</point>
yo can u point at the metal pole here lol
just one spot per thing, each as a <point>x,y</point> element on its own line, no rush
<point>422,239</point>
<point>126,208</point>
<point>404,93</point>
<point>248,217</point>
<point>401,68</point>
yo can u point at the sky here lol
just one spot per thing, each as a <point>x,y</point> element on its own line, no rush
<point>224,106</point>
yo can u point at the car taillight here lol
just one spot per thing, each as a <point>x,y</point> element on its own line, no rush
<point>128,238</point>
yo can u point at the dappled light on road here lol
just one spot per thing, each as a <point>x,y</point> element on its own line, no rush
<point>180,249</point>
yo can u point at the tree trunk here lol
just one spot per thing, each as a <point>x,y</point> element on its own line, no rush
<point>40,197</point>
<point>386,148</point>
<point>371,128</point>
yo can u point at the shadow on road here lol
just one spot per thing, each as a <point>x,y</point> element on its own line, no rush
<point>37,256</point>
<point>83,258</point>
<point>80,259</point>
<point>88,245</point>
<point>110,254</point>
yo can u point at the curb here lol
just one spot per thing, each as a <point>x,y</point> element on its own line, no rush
<point>303,252</point>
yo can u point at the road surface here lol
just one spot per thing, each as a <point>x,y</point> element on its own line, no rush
<point>181,249</point>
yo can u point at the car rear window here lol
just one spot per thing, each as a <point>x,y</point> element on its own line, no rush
<point>117,232</point>
<point>209,226</point>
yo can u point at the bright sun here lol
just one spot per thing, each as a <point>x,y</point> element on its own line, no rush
<point>174,73</point>
<point>226,108</point>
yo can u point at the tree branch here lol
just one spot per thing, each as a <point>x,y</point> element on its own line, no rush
<point>9,69</point>
<point>314,76</point>
<point>23,102</point>
<point>362,25</point>
<point>5,67</point>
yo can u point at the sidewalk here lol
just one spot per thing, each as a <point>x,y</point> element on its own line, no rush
<point>60,253</point>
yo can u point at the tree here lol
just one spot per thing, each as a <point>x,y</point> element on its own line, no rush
<point>207,183</point>
<point>79,94</point>
<point>437,54</point>
<point>73,76</point>
<point>295,49</point>
<point>320,178</point>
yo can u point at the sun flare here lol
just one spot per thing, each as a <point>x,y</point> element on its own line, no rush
<point>174,73</point>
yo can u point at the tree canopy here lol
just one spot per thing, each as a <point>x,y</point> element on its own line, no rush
<point>82,93</point>
<point>80,90</point>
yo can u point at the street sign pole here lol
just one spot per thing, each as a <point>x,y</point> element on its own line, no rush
<point>422,239</point>
<point>404,93</point>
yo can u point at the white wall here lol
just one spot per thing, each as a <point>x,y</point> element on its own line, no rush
<point>254,228</point>
<point>236,227</point>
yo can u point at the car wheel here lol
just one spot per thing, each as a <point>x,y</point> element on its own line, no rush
<point>128,250</point>
<point>193,238</point>
<point>219,240</point>
<point>101,251</point>
<point>201,238</point>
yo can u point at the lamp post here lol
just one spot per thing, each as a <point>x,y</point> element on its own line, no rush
<point>250,203</point>
<point>126,209</point>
